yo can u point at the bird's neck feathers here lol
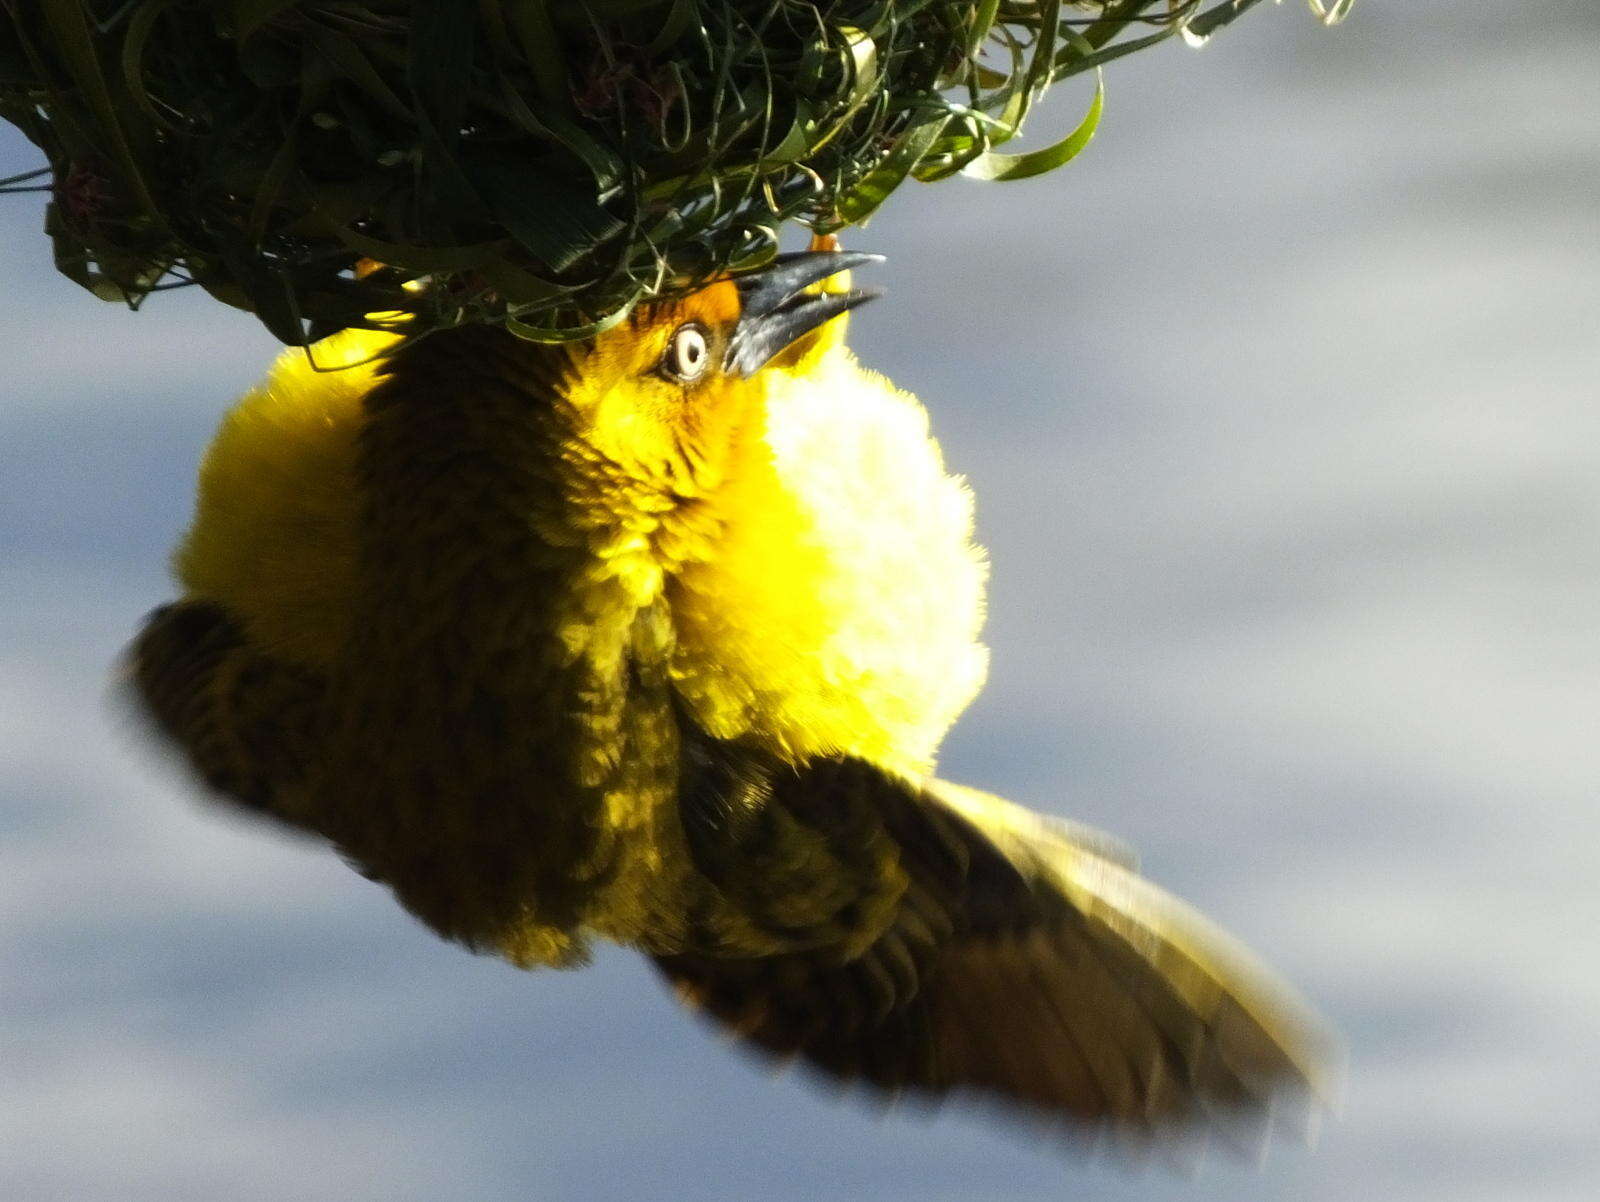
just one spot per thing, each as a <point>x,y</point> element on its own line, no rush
<point>477,440</point>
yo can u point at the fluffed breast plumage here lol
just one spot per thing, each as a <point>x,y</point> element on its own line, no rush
<point>840,534</point>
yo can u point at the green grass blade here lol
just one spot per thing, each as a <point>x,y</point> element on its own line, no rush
<point>996,165</point>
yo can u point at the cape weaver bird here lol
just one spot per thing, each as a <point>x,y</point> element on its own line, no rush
<point>654,637</point>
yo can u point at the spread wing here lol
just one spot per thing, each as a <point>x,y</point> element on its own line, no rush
<point>246,723</point>
<point>1027,963</point>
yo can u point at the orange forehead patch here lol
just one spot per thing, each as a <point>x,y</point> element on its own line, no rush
<point>714,305</point>
<point>644,335</point>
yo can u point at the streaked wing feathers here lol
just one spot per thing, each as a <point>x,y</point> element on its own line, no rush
<point>245,722</point>
<point>1028,968</point>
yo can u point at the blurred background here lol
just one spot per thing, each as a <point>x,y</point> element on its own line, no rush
<point>1280,406</point>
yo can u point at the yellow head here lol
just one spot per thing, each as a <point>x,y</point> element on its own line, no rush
<point>663,394</point>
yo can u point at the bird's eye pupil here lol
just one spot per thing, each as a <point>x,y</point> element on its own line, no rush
<point>688,353</point>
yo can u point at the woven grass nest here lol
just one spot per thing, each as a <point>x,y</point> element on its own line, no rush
<point>541,164</point>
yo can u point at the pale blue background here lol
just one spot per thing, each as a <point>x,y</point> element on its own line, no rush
<point>1281,409</point>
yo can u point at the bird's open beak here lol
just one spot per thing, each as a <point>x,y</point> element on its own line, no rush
<point>775,309</point>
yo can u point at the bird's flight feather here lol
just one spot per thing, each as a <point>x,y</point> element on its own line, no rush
<point>1023,965</point>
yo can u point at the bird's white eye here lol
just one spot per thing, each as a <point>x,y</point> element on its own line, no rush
<point>688,354</point>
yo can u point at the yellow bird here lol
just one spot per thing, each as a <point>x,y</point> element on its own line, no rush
<point>654,638</point>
